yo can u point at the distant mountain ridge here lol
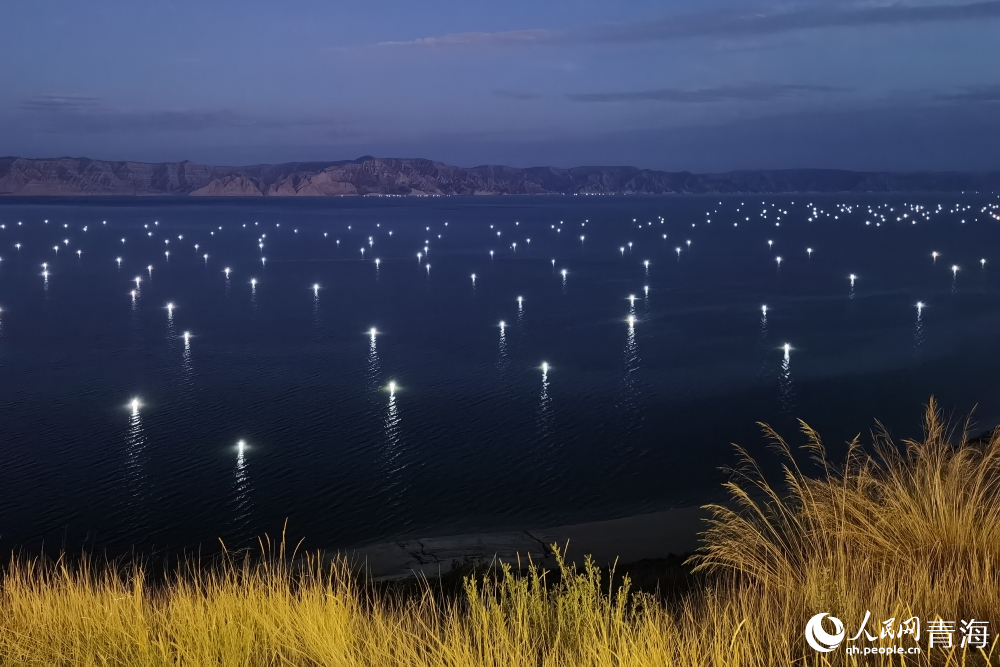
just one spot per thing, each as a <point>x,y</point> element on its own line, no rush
<point>416,176</point>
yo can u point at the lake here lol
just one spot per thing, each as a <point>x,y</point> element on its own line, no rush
<point>281,404</point>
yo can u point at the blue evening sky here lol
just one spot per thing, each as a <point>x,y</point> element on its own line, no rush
<point>674,84</point>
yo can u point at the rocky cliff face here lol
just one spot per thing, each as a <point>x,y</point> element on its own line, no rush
<point>369,175</point>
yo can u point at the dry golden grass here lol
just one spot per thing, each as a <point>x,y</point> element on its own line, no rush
<point>897,531</point>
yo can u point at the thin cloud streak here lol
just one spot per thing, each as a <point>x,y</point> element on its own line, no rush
<point>78,113</point>
<point>723,25</point>
<point>747,93</point>
<point>509,37</point>
<point>974,94</point>
<point>514,95</point>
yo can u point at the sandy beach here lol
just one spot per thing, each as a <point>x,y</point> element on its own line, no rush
<point>627,540</point>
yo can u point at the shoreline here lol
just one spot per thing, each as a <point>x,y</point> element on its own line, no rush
<point>629,539</point>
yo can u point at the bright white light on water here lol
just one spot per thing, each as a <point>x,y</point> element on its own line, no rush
<point>134,404</point>
<point>646,263</point>
<point>581,238</point>
<point>316,288</point>
<point>253,282</point>
<point>187,337</point>
<point>631,321</point>
<point>645,289</point>
<point>491,254</point>
<point>170,308</point>
<point>631,298</point>
<point>622,249</point>
<point>502,325</point>
<point>787,348</point>
<point>520,300</point>
<point>770,243</point>
<point>934,255</point>
<point>920,306</point>
<point>241,445</point>
<point>982,262</point>
<point>428,268</point>
<point>420,255</point>
<point>138,279</point>
<point>133,295</point>
<point>392,387</point>
<point>763,309</point>
<point>553,262</point>
<point>564,272</point>
<point>226,271</point>
<point>809,251</point>
<point>778,260</point>
<point>377,261</point>
<point>954,269</point>
<point>79,252</point>
<point>372,332</point>
<point>473,278</point>
<point>678,249</point>
<point>545,368</point>
<point>206,256</point>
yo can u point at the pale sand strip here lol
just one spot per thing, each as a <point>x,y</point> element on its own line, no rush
<point>628,540</point>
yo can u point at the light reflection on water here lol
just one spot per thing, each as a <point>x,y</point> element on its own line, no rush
<point>628,406</point>
<point>918,329</point>
<point>544,411</point>
<point>765,349</point>
<point>503,361</point>
<point>786,388</point>
<point>187,370</point>
<point>393,482</point>
<point>134,466</point>
<point>241,502</point>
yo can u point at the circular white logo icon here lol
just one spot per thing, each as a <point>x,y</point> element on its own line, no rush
<point>820,639</point>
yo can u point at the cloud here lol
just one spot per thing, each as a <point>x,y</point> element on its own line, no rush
<point>78,113</point>
<point>514,95</point>
<point>990,93</point>
<point>59,103</point>
<point>728,24</point>
<point>745,93</point>
<point>509,37</point>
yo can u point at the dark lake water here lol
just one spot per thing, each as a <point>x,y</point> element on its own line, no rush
<point>630,416</point>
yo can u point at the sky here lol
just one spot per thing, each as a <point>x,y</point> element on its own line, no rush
<point>706,85</point>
